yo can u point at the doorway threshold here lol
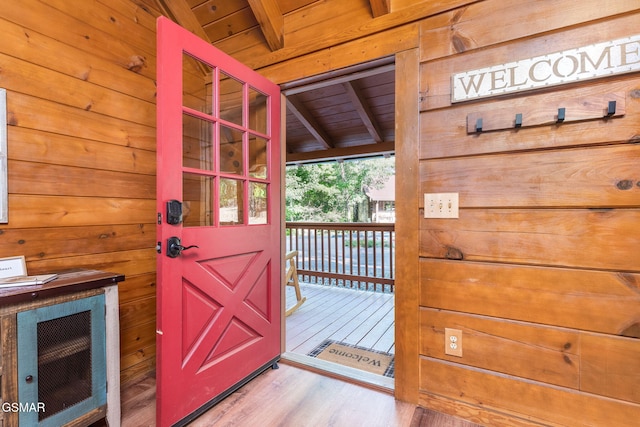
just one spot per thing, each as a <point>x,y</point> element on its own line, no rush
<point>345,373</point>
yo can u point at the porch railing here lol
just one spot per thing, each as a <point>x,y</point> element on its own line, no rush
<point>352,255</point>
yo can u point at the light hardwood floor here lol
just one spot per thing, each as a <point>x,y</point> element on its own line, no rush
<point>308,392</point>
<point>288,396</point>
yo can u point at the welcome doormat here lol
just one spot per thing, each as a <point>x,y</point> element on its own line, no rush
<point>376,362</point>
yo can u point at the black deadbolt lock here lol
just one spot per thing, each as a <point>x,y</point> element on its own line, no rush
<point>174,212</point>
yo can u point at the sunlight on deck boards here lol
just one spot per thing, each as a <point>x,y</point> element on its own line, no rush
<point>361,318</point>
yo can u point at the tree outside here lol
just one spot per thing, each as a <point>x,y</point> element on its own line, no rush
<point>334,191</point>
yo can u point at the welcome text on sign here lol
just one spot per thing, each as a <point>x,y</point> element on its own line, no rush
<point>583,63</point>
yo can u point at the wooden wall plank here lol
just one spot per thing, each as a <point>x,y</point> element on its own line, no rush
<point>209,11</point>
<point>138,350</point>
<point>355,52</point>
<point>473,413</point>
<point>546,354</point>
<point>435,81</point>
<point>560,237</point>
<point>610,366</point>
<point>58,211</point>
<point>129,263</point>
<point>137,286</point>
<point>132,373</point>
<point>232,24</point>
<point>51,148</point>
<point>141,310</point>
<point>305,25</point>
<point>447,137</point>
<point>474,26</point>
<point>140,336</point>
<point>528,400</point>
<point>599,301</point>
<point>605,176</point>
<point>36,113</point>
<point>55,242</point>
<point>136,364</point>
<point>42,179</point>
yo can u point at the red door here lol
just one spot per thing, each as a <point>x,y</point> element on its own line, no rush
<point>218,192</point>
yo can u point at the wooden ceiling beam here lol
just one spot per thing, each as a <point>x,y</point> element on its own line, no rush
<point>292,89</point>
<point>364,111</point>
<point>300,111</point>
<point>342,153</point>
<point>271,21</point>
<point>180,12</point>
<point>379,7</point>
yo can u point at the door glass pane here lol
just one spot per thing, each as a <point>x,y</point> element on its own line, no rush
<point>197,200</point>
<point>230,99</point>
<point>257,111</point>
<point>197,149</point>
<point>257,157</point>
<point>197,87</point>
<point>231,202</point>
<point>257,203</point>
<point>231,153</point>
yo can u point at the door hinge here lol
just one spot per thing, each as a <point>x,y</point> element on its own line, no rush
<point>159,247</point>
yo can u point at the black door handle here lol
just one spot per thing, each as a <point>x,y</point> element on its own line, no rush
<point>175,248</point>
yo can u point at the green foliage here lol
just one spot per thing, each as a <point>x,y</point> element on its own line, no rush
<point>332,192</point>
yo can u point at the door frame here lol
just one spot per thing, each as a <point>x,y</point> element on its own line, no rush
<point>406,149</point>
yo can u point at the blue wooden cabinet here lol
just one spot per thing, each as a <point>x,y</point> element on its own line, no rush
<point>59,356</point>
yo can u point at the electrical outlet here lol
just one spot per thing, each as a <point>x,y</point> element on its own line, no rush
<point>441,205</point>
<point>453,342</point>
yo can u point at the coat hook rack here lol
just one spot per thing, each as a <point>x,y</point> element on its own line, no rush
<point>518,120</point>
<point>540,111</point>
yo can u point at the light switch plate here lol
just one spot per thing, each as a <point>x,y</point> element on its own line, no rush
<point>441,205</point>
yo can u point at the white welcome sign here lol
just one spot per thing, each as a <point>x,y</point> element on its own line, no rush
<point>582,63</point>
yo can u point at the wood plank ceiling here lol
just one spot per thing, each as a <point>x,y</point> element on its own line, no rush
<point>349,114</point>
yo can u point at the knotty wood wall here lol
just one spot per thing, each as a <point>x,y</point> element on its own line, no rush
<point>81,144</point>
<point>541,271</point>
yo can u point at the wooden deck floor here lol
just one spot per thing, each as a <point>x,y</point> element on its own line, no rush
<point>364,319</point>
<point>357,318</point>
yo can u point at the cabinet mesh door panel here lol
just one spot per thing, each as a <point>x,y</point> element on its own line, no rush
<point>64,362</point>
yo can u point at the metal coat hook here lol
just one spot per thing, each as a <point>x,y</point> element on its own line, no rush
<point>519,120</point>
<point>479,125</point>
<point>611,108</point>
<point>561,113</point>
